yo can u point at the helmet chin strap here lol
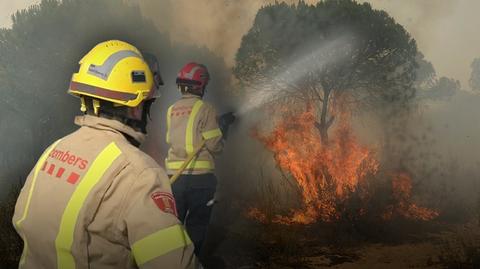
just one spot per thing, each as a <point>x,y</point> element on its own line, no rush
<point>116,113</point>
<point>141,124</point>
<point>198,92</point>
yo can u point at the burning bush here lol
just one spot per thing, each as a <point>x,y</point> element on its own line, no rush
<point>326,174</point>
<point>403,206</point>
<point>330,174</point>
<point>318,56</point>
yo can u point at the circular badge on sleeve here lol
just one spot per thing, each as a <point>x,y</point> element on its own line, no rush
<point>165,202</point>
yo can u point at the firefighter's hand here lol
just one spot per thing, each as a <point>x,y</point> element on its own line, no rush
<point>225,121</point>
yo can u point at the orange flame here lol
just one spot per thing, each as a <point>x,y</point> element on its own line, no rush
<point>402,192</point>
<point>327,174</point>
<point>255,213</point>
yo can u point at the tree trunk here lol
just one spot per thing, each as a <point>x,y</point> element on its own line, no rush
<point>324,124</point>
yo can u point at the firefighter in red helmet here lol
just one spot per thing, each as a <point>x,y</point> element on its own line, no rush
<point>190,123</point>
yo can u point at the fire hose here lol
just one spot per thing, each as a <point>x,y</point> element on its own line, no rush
<point>187,162</point>
<point>184,166</point>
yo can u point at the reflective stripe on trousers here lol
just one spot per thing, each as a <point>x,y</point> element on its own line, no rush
<point>64,240</point>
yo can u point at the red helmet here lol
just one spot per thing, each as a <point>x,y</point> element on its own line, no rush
<point>193,75</point>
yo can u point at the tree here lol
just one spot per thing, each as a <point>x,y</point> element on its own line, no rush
<point>442,88</point>
<point>475,77</point>
<point>429,86</point>
<point>426,75</point>
<point>318,54</point>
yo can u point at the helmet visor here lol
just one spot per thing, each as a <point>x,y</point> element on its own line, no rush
<point>154,66</point>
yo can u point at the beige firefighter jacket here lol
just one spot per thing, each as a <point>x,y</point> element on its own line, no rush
<point>190,121</point>
<point>95,201</point>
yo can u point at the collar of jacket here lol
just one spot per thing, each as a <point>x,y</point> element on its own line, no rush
<point>109,125</point>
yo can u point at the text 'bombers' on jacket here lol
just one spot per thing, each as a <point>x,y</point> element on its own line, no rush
<point>95,201</point>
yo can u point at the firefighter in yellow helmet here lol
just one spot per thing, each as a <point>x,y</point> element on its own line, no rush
<point>94,200</point>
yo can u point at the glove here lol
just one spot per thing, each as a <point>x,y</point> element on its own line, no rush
<point>224,122</point>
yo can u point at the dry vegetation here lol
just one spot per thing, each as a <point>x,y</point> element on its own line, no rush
<point>10,242</point>
<point>461,248</point>
<point>350,243</point>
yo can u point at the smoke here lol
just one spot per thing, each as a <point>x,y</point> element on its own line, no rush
<point>35,107</point>
<point>446,31</point>
<point>442,137</point>
<point>217,24</point>
<point>314,61</point>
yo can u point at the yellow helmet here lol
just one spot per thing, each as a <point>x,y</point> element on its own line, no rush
<point>113,71</point>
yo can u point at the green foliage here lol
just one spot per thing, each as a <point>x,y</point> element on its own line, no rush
<point>475,77</point>
<point>375,54</point>
<point>426,74</point>
<point>442,88</point>
<point>431,87</point>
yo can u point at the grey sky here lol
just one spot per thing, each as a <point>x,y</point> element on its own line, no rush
<point>446,30</point>
<point>8,7</point>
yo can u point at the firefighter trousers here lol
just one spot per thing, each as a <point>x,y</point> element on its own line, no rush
<point>192,195</point>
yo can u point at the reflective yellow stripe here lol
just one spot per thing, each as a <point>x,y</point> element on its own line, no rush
<point>160,243</point>
<point>169,120</point>
<point>192,165</point>
<point>212,134</point>
<point>38,166</point>
<point>191,120</point>
<point>64,240</point>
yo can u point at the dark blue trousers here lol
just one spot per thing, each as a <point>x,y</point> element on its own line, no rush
<point>192,193</point>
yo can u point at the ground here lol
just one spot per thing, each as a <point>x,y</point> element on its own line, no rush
<point>435,245</point>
